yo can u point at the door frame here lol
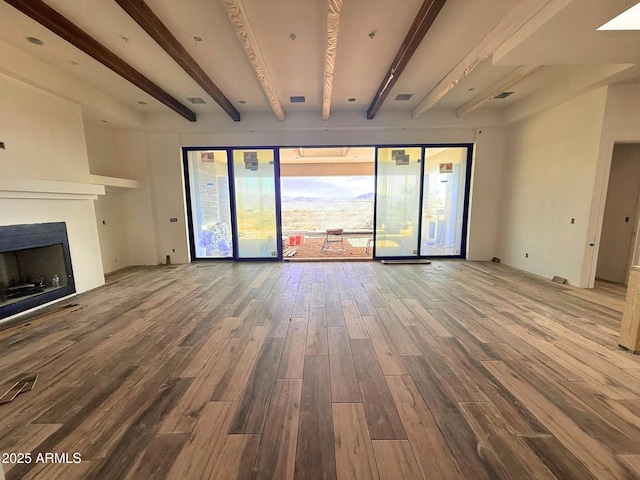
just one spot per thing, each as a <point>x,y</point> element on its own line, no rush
<point>465,208</point>
<point>278,202</point>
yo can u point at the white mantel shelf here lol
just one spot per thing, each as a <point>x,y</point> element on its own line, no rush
<point>30,188</point>
<point>114,184</point>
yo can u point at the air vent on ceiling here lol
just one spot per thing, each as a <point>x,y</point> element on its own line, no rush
<point>297,99</point>
<point>403,96</point>
<point>503,94</point>
<point>195,100</point>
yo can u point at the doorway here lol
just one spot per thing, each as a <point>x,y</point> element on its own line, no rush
<point>385,202</point>
<point>327,198</point>
<point>618,240</point>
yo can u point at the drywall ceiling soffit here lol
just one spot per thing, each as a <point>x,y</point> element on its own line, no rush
<point>518,17</point>
<point>499,88</point>
<point>571,81</point>
<point>419,28</point>
<point>570,37</point>
<point>335,155</point>
<point>148,20</point>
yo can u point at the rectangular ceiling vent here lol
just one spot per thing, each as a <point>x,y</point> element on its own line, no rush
<point>503,95</point>
<point>403,96</point>
<point>196,100</point>
<point>297,99</point>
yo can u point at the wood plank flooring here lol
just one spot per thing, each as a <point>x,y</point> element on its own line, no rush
<point>454,370</point>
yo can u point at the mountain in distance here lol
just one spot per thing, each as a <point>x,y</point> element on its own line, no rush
<point>365,196</point>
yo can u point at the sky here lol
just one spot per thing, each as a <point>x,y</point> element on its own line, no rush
<point>338,187</point>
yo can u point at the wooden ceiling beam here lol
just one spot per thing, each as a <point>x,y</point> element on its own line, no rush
<point>51,19</point>
<point>419,28</point>
<point>150,23</point>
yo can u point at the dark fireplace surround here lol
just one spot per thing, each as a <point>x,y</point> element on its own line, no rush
<point>35,266</point>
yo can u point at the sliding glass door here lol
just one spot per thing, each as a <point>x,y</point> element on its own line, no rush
<point>254,174</point>
<point>421,197</point>
<point>443,204</point>
<point>209,202</point>
<point>421,201</point>
<point>398,172</point>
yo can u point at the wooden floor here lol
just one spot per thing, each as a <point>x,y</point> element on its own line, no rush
<point>454,370</point>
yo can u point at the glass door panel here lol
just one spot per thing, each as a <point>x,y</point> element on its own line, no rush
<point>445,173</point>
<point>210,203</point>
<point>397,201</point>
<point>255,195</point>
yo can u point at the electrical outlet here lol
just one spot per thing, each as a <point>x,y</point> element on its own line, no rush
<point>526,255</point>
<point>2,145</point>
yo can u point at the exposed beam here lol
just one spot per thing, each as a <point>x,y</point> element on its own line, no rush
<point>509,25</point>
<point>420,26</point>
<point>333,23</point>
<point>49,18</point>
<point>238,16</point>
<point>503,85</point>
<point>147,19</point>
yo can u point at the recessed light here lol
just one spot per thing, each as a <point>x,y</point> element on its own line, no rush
<point>351,99</point>
<point>35,41</point>
<point>403,96</point>
<point>242,102</point>
<point>140,102</point>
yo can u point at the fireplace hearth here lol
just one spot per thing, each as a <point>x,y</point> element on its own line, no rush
<point>35,266</point>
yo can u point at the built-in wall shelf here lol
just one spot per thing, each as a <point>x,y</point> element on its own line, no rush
<point>48,189</point>
<point>115,184</point>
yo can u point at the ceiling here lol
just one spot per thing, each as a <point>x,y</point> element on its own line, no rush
<point>544,51</point>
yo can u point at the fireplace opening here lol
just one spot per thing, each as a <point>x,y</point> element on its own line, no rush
<point>35,266</point>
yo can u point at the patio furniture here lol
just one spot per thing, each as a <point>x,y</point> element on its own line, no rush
<point>334,235</point>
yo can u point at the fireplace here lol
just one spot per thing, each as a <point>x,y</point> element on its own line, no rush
<point>35,266</point>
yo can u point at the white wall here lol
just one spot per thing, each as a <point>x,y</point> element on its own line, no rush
<point>549,176</point>
<point>619,220</point>
<point>621,120</point>
<point>486,194</point>
<point>44,140</point>
<point>126,222</point>
<point>43,135</point>
<point>165,158</point>
<point>310,130</point>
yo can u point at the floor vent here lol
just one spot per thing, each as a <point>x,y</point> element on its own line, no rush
<point>559,280</point>
<point>495,260</point>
